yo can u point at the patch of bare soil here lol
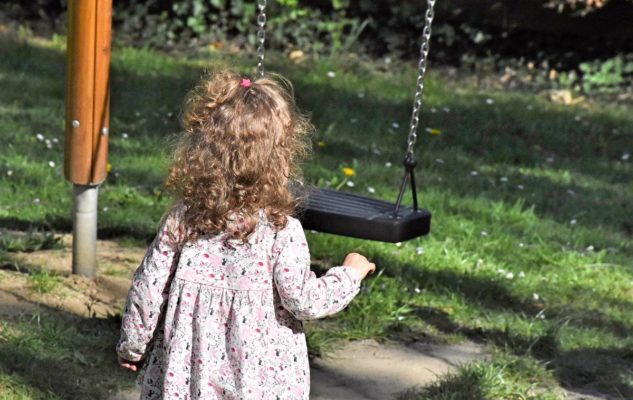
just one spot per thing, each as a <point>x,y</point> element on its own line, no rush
<point>100,297</point>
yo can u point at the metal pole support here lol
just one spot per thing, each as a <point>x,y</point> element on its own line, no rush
<point>87,121</point>
<point>85,199</point>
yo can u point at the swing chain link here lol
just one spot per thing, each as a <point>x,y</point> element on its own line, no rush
<point>417,100</point>
<point>261,36</point>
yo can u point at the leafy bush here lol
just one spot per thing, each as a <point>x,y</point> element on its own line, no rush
<point>606,76</point>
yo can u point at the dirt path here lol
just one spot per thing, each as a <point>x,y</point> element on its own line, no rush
<point>368,370</point>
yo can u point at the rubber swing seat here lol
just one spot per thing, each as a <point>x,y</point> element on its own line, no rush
<point>347,214</point>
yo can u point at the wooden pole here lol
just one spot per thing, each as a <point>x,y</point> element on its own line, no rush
<point>87,120</point>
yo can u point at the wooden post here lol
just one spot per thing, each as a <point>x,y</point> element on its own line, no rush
<point>87,120</point>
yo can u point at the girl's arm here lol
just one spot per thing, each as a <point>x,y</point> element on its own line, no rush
<point>149,291</point>
<point>301,292</point>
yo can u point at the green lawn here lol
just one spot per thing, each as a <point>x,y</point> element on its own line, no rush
<point>530,249</point>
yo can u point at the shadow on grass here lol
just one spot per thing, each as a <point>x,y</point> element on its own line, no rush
<point>144,92</point>
<point>64,355</point>
<point>606,370</point>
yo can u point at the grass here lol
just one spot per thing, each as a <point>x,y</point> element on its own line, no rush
<point>504,378</point>
<point>530,249</point>
<point>58,357</point>
<point>43,281</point>
<point>31,241</point>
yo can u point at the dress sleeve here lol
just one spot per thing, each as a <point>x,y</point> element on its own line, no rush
<point>150,288</point>
<point>300,291</point>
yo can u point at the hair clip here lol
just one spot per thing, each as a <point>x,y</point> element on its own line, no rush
<point>246,83</point>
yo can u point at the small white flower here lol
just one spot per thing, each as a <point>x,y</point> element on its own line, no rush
<point>577,118</point>
<point>105,209</point>
<point>387,60</point>
<point>350,184</point>
<point>625,157</point>
<point>501,271</point>
<point>138,114</point>
<point>484,233</point>
<point>170,114</point>
<point>535,296</point>
<point>439,161</point>
<point>520,187</point>
<point>398,244</point>
<point>417,290</point>
<point>371,190</point>
<point>36,200</point>
<point>51,164</point>
<point>573,222</point>
<point>388,164</point>
<point>9,172</point>
<point>521,244</point>
<point>521,274</point>
<point>474,173</point>
<point>331,74</point>
<point>39,137</point>
<point>510,275</point>
<point>361,95</point>
<point>400,318</point>
<point>55,140</point>
<point>503,179</point>
<point>395,125</point>
<point>433,110</point>
<point>446,109</point>
<point>313,232</point>
<point>490,101</point>
<point>124,135</point>
<point>590,248</point>
<point>419,250</point>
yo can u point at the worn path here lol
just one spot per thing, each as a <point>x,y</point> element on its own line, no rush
<point>368,370</point>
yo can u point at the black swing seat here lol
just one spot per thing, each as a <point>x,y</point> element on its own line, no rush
<point>347,214</point>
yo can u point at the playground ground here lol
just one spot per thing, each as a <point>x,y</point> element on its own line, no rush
<point>530,253</point>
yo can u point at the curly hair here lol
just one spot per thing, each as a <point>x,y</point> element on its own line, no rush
<point>240,146</point>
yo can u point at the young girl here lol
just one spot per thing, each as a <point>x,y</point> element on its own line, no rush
<point>215,308</point>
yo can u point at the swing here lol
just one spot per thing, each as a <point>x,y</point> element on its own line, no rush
<point>362,217</point>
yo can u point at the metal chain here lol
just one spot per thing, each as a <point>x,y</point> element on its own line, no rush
<point>261,36</point>
<point>417,100</point>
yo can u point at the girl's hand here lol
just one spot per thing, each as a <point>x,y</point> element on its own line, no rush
<point>131,365</point>
<point>360,264</point>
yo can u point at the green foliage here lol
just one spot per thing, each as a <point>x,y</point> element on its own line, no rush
<point>31,241</point>
<point>608,75</point>
<point>195,22</point>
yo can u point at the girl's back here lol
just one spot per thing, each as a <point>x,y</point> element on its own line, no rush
<point>218,315</point>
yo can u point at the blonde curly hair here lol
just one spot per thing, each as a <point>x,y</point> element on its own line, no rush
<point>240,146</point>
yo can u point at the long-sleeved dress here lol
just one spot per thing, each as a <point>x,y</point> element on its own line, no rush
<point>217,319</point>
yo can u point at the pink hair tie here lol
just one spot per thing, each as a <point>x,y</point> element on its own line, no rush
<point>246,83</point>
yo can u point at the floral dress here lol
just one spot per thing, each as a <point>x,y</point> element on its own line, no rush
<point>218,319</point>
